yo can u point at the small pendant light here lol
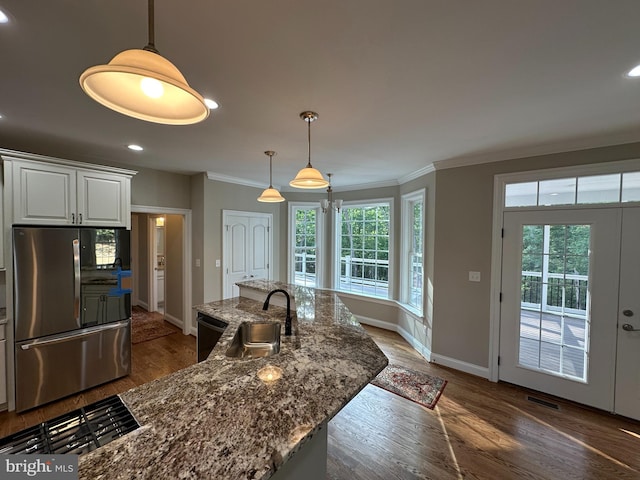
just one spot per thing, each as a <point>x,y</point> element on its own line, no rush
<point>270,195</point>
<point>143,84</point>
<point>309,177</point>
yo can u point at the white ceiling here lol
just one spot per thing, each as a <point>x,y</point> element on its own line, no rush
<point>398,84</point>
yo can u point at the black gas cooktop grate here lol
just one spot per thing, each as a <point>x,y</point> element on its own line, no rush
<point>79,431</point>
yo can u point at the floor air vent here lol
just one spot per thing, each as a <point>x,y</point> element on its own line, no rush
<point>544,403</point>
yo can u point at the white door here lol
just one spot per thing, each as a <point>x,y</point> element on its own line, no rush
<point>558,320</point>
<point>247,248</point>
<point>627,391</point>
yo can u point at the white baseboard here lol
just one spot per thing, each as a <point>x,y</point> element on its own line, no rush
<point>424,351</point>
<point>411,340</point>
<point>377,323</point>
<point>144,305</point>
<point>460,365</point>
<point>173,320</point>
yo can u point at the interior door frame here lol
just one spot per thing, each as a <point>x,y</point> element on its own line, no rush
<point>188,325</point>
<point>226,287</point>
<point>499,184</point>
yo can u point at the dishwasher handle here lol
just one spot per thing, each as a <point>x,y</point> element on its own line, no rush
<point>212,323</point>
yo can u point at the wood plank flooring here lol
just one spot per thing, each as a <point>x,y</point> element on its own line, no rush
<point>478,430</point>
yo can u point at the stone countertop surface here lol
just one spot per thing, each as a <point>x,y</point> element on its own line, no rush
<point>217,420</point>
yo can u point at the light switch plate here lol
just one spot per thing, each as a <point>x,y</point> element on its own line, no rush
<point>217,263</point>
<point>197,262</point>
<point>474,276</point>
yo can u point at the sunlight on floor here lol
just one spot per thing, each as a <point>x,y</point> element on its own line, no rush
<point>477,431</point>
<point>454,460</point>
<point>633,434</point>
<point>573,439</point>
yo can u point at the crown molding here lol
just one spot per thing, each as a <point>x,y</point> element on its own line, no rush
<point>417,174</point>
<point>238,181</point>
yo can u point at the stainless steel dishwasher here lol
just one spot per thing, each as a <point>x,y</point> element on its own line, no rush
<point>209,332</point>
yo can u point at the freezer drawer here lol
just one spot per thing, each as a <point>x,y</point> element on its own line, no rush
<point>53,367</point>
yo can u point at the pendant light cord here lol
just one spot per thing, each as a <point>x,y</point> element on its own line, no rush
<point>309,138</point>
<point>151,46</point>
<point>270,174</point>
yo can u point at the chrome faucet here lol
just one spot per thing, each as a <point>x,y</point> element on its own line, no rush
<point>287,322</point>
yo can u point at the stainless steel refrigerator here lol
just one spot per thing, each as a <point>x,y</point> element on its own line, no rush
<point>72,310</point>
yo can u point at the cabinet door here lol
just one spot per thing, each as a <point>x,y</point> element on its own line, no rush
<point>43,194</point>
<point>103,199</point>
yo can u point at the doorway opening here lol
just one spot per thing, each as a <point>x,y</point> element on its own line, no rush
<point>161,260</point>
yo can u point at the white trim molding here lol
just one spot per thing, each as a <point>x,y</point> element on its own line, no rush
<point>187,301</point>
<point>470,368</point>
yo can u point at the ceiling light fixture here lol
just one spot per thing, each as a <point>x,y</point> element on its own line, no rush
<point>143,84</point>
<point>309,177</point>
<point>270,195</point>
<point>4,18</point>
<point>134,147</point>
<point>327,203</point>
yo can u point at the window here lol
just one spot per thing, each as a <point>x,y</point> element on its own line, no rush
<point>575,190</point>
<point>304,240</point>
<point>362,248</point>
<point>412,266</point>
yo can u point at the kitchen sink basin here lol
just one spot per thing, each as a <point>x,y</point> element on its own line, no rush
<point>255,339</point>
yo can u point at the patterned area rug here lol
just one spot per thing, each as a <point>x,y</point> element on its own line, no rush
<point>148,325</point>
<point>418,387</point>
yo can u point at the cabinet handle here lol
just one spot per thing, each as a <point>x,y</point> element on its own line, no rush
<point>80,218</point>
<point>73,218</point>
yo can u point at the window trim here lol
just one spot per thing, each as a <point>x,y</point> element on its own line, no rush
<point>409,199</point>
<point>293,207</point>
<point>337,232</point>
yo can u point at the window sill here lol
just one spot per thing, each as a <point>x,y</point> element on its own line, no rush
<point>410,309</point>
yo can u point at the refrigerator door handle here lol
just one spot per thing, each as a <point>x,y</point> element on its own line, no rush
<point>74,335</point>
<point>76,280</point>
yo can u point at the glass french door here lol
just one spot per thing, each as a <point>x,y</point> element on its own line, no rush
<point>558,319</point>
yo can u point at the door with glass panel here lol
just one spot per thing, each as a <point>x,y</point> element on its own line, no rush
<point>559,309</point>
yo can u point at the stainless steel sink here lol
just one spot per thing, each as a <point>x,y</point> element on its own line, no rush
<point>255,339</point>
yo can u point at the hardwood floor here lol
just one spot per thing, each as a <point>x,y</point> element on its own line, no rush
<point>478,430</point>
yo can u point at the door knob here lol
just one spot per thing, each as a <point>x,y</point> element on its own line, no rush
<point>627,313</point>
<point>627,327</point>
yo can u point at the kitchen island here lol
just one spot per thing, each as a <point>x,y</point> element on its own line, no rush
<point>219,420</point>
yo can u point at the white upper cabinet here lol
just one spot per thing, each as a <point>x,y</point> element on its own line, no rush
<point>43,194</point>
<point>68,193</point>
<point>103,199</point>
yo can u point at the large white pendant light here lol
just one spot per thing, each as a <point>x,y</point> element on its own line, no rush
<point>309,177</point>
<point>145,85</point>
<point>270,195</point>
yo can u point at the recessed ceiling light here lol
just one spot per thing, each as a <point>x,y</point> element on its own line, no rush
<point>3,17</point>
<point>634,72</point>
<point>134,147</point>
<point>212,104</point>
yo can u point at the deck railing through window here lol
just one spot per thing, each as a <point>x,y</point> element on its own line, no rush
<point>561,292</point>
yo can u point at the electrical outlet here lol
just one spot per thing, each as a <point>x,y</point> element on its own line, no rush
<point>474,276</point>
<point>197,262</point>
<point>218,263</point>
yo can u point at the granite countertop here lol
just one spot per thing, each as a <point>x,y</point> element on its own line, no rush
<point>218,420</point>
